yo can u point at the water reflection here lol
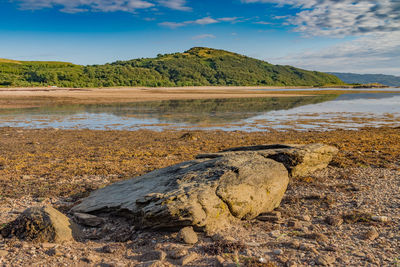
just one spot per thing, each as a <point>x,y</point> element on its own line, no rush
<point>321,112</point>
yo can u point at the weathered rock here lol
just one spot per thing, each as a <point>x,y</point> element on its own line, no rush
<point>154,255</point>
<point>205,193</point>
<point>334,220</point>
<point>300,160</point>
<point>42,224</point>
<point>188,259</point>
<point>177,253</point>
<point>274,216</point>
<point>151,264</point>
<point>188,235</point>
<point>372,234</point>
<point>3,253</point>
<point>88,219</point>
<point>325,260</point>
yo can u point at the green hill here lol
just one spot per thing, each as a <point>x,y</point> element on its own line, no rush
<point>196,67</point>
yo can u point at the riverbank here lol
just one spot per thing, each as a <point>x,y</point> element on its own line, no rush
<point>326,217</point>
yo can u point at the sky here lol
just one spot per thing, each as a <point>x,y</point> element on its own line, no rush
<point>359,36</point>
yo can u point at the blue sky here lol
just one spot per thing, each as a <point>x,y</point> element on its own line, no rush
<point>361,36</point>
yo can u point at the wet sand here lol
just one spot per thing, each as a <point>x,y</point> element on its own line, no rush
<point>34,97</point>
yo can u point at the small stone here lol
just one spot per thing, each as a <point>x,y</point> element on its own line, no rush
<point>277,251</point>
<point>109,249</point>
<point>154,255</point>
<point>219,260</point>
<point>263,260</point>
<point>380,218</point>
<point>325,260</point>
<point>307,247</point>
<point>3,253</point>
<point>294,224</point>
<point>54,252</point>
<point>371,234</point>
<point>48,245</point>
<point>317,237</point>
<point>274,216</point>
<point>275,233</point>
<point>306,218</point>
<point>294,244</point>
<point>188,235</point>
<point>90,259</point>
<point>229,264</point>
<point>334,220</point>
<point>150,264</point>
<point>177,253</point>
<point>88,219</point>
<point>188,258</point>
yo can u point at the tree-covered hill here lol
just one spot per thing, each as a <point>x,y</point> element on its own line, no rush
<point>196,67</point>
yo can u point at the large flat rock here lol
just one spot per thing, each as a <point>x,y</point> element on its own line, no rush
<point>204,193</point>
<point>212,191</point>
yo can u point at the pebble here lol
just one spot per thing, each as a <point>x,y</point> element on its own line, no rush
<point>219,260</point>
<point>188,235</point>
<point>150,264</point>
<point>334,220</point>
<point>188,259</point>
<point>372,234</point>
<point>154,255</point>
<point>278,251</point>
<point>178,253</point>
<point>325,260</point>
<point>275,233</point>
<point>109,249</point>
<point>306,218</point>
<point>3,253</point>
<point>294,224</point>
<point>380,218</point>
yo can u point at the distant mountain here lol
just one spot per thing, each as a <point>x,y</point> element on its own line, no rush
<point>388,80</point>
<point>198,66</point>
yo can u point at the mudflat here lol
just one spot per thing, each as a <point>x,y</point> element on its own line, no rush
<point>35,97</point>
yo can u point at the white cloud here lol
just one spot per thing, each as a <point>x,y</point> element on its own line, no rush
<point>75,6</point>
<point>371,53</point>
<point>175,4</point>
<point>202,21</point>
<point>341,17</point>
<point>203,36</point>
<point>375,24</point>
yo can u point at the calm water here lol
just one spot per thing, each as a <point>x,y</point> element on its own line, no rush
<point>322,112</point>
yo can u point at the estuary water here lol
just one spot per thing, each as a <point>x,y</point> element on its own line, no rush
<point>318,112</point>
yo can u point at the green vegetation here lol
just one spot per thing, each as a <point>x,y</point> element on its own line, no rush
<point>195,67</point>
<point>388,80</point>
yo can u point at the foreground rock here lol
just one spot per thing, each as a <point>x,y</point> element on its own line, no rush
<point>42,224</point>
<point>211,191</point>
<point>300,160</point>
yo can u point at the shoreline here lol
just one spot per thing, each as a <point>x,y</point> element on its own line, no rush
<point>37,97</point>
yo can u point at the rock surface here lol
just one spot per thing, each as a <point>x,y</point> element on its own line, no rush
<point>207,193</point>
<point>300,160</point>
<point>211,191</point>
<point>188,235</point>
<point>42,224</point>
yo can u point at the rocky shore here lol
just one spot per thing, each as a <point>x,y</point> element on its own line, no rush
<point>345,214</point>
